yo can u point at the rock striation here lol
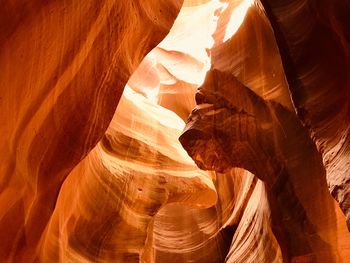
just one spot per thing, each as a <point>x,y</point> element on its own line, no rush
<point>64,67</point>
<point>160,131</point>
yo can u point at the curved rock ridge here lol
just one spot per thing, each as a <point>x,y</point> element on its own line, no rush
<point>255,226</point>
<point>207,235</point>
<point>122,183</point>
<point>63,69</point>
<point>202,131</point>
<point>242,130</point>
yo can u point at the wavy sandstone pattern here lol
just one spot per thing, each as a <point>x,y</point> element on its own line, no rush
<point>64,67</point>
<point>174,131</point>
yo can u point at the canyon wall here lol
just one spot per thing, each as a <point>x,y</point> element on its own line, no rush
<point>175,131</point>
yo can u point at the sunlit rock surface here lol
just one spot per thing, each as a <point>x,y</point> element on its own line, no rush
<point>175,131</point>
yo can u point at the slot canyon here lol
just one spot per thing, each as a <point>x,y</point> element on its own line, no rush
<point>175,131</point>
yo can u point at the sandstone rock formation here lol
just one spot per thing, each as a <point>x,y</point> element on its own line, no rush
<point>64,67</point>
<point>175,131</point>
<point>316,60</point>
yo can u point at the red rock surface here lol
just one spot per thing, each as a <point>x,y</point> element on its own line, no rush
<point>174,131</point>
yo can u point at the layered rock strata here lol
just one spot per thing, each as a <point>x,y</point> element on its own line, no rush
<point>95,96</point>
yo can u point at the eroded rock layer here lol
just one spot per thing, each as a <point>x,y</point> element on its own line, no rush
<point>166,131</point>
<point>313,37</point>
<point>63,70</point>
<point>233,127</point>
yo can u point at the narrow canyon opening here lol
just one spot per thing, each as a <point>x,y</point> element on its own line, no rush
<point>201,131</point>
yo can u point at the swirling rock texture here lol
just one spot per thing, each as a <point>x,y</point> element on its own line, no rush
<point>175,131</point>
<point>64,67</point>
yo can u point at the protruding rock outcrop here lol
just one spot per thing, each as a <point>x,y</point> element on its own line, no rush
<point>95,95</point>
<point>233,127</point>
